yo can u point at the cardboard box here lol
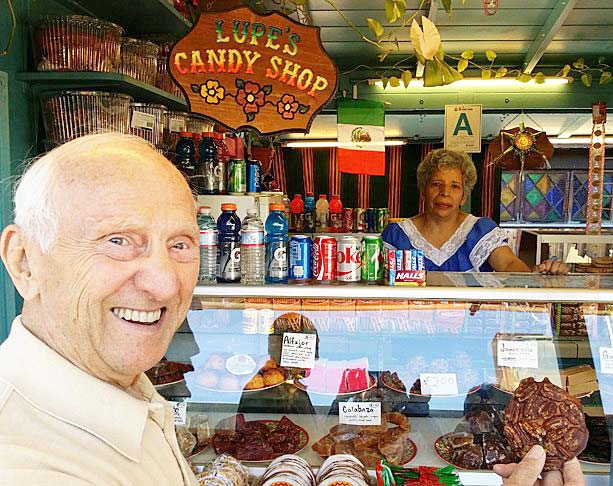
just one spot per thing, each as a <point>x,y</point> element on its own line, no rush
<point>582,388</point>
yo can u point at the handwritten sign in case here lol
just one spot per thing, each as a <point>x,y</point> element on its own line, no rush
<point>359,413</point>
<point>518,354</point>
<point>298,350</point>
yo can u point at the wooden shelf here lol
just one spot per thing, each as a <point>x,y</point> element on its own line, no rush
<point>136,16</point>
<point>115,82</point>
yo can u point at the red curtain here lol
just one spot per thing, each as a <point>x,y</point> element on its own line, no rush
<point>334,176</point>
<point>487,188</point>
<point>394,174</point>
<point>278,168</point>
<point>363,191</point>
<point>426,148</point>
<point>308,173</point>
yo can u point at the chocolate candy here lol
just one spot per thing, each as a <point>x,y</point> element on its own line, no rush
<point>542,413</point>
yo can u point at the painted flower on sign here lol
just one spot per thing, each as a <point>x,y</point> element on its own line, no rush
<point>212,92</point>
<point>287,106</point>
<point>251,96</point>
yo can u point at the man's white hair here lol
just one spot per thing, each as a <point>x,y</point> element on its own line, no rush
<point>37,208</point>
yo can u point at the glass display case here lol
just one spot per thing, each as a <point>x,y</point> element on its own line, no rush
<point>309,369</point>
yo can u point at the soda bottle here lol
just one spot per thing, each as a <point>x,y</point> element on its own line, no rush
<point>207,165</point>
<point>336,214</point>
<point>221,170</point>
<point>296,217</point>
<point>322,213</point>
<point>253,251</point>
<point>309,213</point>
<point>229,245</point>
<point>185,157</point>
<point>276,245</point>
<point>286,206</point>
<point>208,246</point>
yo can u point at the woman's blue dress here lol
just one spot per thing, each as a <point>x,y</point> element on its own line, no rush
<point>466,251</point>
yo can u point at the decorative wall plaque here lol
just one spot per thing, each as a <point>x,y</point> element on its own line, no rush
<point>244,70</point>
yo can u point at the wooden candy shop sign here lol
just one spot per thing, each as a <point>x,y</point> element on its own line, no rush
<point>247,70</point>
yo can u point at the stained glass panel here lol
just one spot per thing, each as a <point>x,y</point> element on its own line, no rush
<point>579,197</point>
<point>545,198</point>
<point>509,186</point>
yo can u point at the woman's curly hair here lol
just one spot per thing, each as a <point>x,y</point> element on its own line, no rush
<point>447,159</point>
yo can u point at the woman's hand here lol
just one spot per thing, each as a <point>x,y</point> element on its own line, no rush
<point>552,267</point>
<point>527,472</point>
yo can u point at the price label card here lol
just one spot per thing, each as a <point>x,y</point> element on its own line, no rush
<point>180,412</point>
<point>177,126</point>
<point>438,384</point>
<point>142,120</point>
<point>359,413</point>
<point>606,361</point>
<point>518,354</point>
<point>298,350</point>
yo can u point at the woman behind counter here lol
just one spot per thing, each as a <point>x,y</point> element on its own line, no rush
<point>451,240</point>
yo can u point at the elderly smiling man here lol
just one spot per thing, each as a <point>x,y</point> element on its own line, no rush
<point>104,252</point>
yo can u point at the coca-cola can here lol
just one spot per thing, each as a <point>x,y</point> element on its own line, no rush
<point>348,220</point>
<point>324,259</point>
<point>349,259</point>
<point>360,224</point>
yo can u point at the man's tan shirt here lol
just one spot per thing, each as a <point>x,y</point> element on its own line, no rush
<point>61,426</point>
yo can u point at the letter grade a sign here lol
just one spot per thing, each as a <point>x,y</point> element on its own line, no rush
<point>245,70</point>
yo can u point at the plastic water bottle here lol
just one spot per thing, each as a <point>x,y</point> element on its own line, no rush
<point>322,213</point>
<point>185,157</point>
<point>208,246</point>
<point>253,251</point>
<point>229,245</point>
<point>207,164</point>
<point>296,216</point>
<point>309,213</point>
<point>336,214</point>
<point>276,245</point>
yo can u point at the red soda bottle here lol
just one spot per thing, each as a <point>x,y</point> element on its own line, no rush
<point>336,214</point>
<point>296,218</point>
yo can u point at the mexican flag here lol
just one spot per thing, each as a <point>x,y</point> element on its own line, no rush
<point>361,136</point>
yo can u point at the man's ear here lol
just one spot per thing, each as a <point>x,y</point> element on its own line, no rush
<point>17,261</point>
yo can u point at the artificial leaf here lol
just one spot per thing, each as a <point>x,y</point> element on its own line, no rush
<point>486,74</point>
<point>524,78</point>
<point>375,27</point>
<point>579,63</point>
<point>385,81</point>
<point>394,82</point>
<point>400,8</point>
<point>586,79</point>
<point>462,65</point>
<point>605,78</point>
<point>501,73</point>
<point>447,6</point>
<point>406,78</point>
<point>450,75</point>
<point>304,108</point>
<point>601,60</point>
<point>299,2</point>
<point>539,78</point>
<point>390,12</point>
<point>195,88</point>
<point>440,54</point>
<point>467,54</point>
<point>430,39</point>
<point>267,89</point>
<point>240,84</point>
<point>491,55</point>
<point>415,34</point>
<point>383,55</point>
<point>565,70</point>
<point>433,75</point>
